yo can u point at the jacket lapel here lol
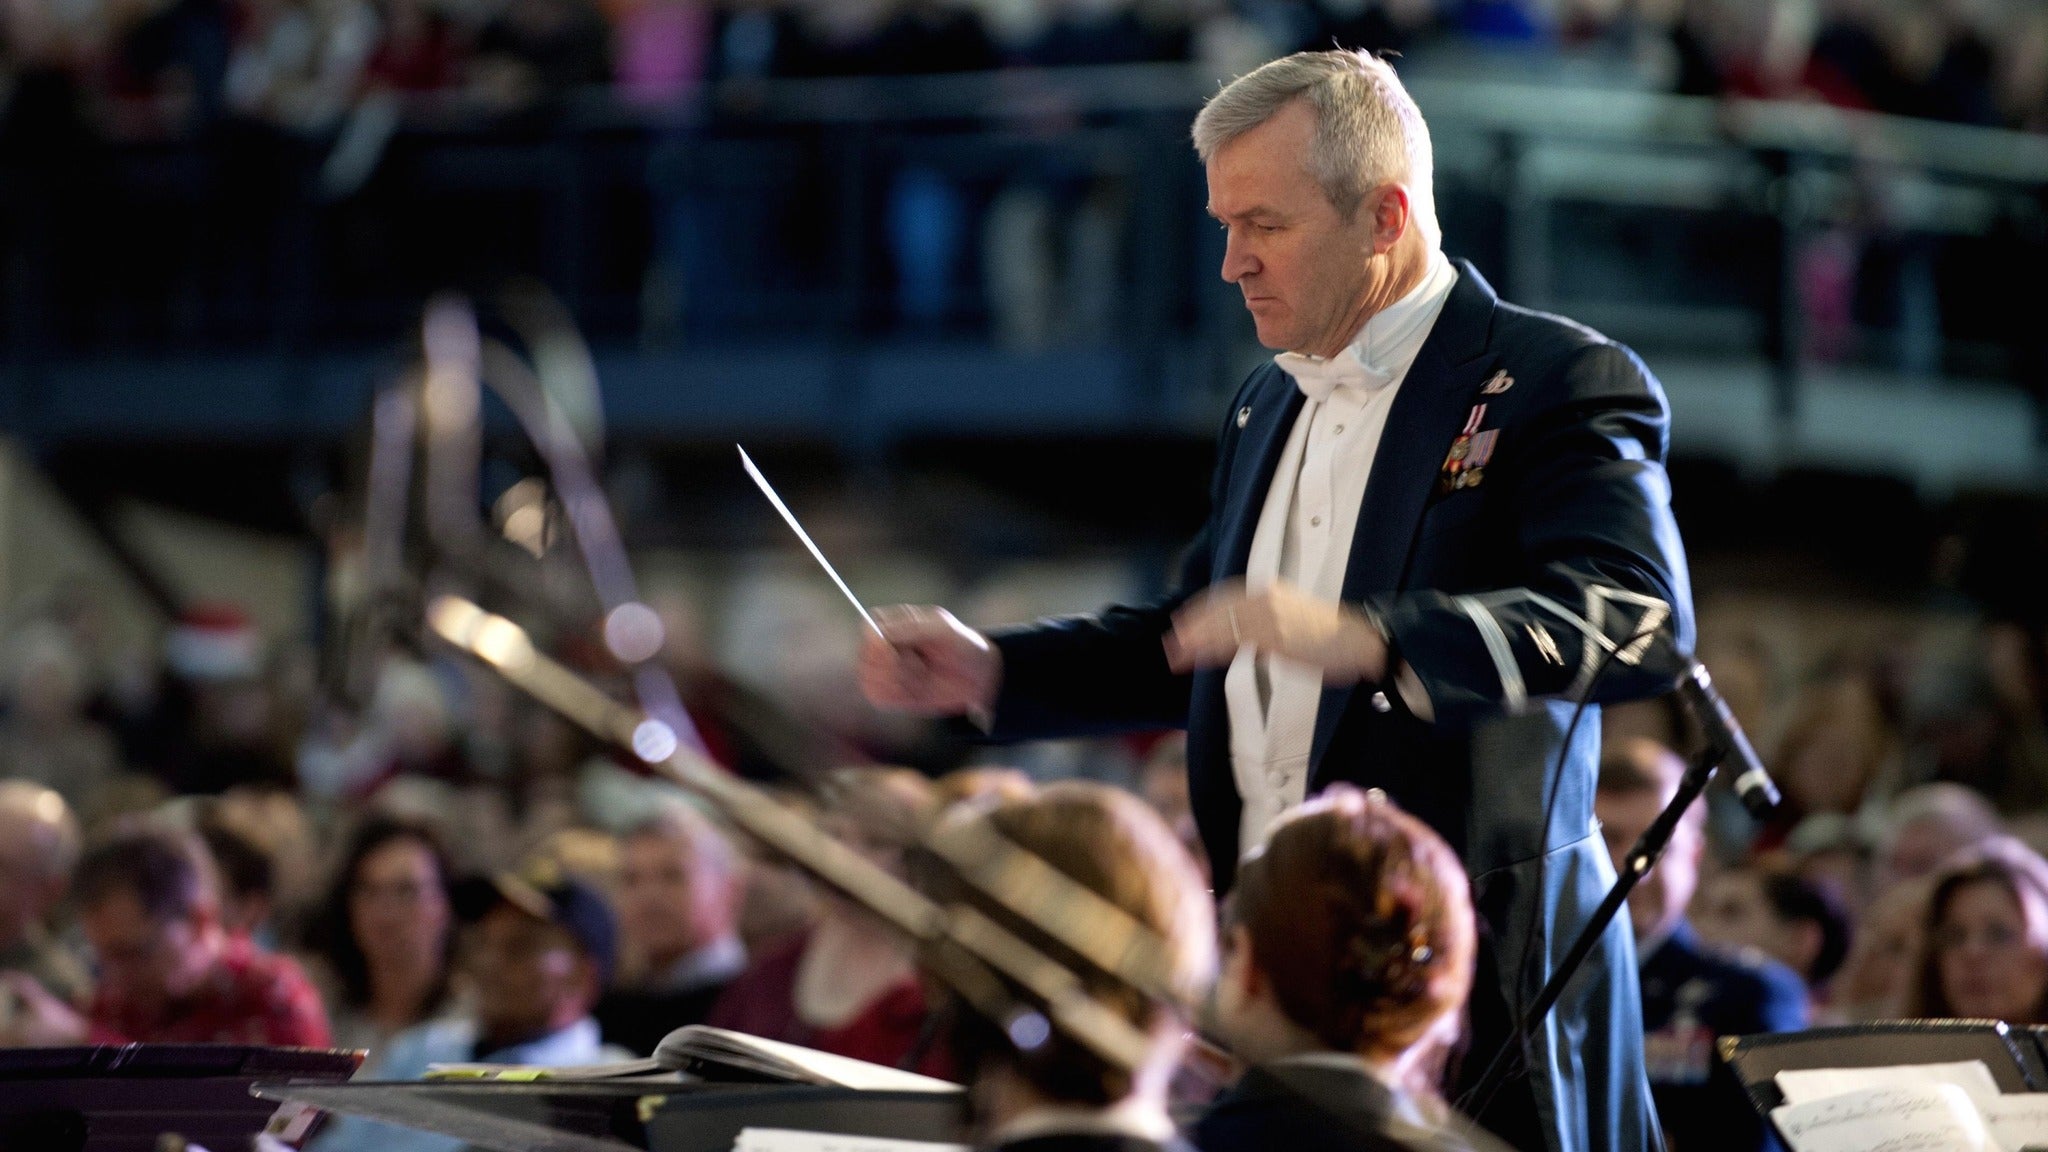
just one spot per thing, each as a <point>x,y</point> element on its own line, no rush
<point>1428,413</point>
<point>1273,405</point>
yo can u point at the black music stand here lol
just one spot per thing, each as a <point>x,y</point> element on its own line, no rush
<point>660,1113</point>
<point>126,1098</point>
<point>1756,1060</point>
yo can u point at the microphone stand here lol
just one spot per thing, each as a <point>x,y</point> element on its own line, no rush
<point>1641,858</point>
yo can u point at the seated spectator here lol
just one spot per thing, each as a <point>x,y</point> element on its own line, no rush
<point>1777,915</point>
<point>38,849</point>
<point>540,951</point>
<point>1841,752</point>
<point>1925,826</point>
<point>169,972</point>
<point>1061,1097</point>
<point>1877,978</point>
<point>849,985</point>
<point>386,934</point>
<point>678,902</point>
<point>1986,947</point>
<point>1348,962</point>
<point>1691,994</point>
<point>248,882</point>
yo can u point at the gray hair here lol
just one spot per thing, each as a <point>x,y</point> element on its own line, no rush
<point>680,823</point>
<point>1368,129</point>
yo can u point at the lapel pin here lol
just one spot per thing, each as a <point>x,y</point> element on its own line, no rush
<point>1500,383</point>
<point>1244,416</point>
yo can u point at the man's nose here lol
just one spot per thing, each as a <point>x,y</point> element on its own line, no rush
<point>1238,262</point>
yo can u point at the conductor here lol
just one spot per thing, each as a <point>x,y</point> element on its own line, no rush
<point>1438,521</point>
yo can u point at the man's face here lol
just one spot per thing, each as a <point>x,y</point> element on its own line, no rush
<point>531,979</point>
<point>1660,898</point>
<point>1305,270</point>
<point>147,962</point>
<point>670,904</point>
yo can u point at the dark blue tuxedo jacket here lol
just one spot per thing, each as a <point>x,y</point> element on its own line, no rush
<point>1476,583</point>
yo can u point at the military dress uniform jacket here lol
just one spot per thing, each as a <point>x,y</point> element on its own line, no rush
<point>1519,485</point>
<point>1693,995</point>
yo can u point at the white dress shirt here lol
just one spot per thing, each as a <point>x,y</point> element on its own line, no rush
<point>1304,538</point>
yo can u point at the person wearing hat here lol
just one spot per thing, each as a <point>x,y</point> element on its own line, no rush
<point>540,952</point>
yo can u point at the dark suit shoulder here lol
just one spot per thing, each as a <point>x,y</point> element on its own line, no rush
<point>1318,1109</point>
<point>1735,993</point>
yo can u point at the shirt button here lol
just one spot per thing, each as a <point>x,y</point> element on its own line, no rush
<point>1339,430</point>
<point>1315,521</point>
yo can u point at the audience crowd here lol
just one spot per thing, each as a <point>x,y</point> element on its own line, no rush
<point>152,68</point>
<point>204,845</point>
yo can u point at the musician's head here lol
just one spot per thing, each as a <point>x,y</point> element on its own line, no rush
<point>1320,172</point>
<point>1109,842</point>
<point>1985,952</point>
<point>149,905</point>
<point>1638,777</point>
<point>1350,931</point>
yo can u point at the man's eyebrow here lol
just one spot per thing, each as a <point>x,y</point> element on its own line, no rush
<point>1256,211</point>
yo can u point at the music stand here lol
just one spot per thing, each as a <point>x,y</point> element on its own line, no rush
<point>656,1113</point>
<point>1757,1060</point>
<point>126,1098</point>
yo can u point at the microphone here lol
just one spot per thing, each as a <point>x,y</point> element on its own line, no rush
<point>1753,785</point>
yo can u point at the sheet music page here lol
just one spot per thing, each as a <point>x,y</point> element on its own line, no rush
<point>792,1140</point>
<point>811,1064</point>
<point>2018,1121</point>
<point>1924,1118</point>
<point>1803,1085</point>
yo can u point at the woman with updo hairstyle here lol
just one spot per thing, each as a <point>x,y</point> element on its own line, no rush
<point>1984,954</point>
<point>1348,960</point>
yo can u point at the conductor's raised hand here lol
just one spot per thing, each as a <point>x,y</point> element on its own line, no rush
<point>1279,620</point>
<point>927,663</point>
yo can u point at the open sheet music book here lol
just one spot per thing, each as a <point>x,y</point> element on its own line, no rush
<point>1907,1108</point>
<point>717,1054</point>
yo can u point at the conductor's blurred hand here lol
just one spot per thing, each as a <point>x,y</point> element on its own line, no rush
<point>927,663</point>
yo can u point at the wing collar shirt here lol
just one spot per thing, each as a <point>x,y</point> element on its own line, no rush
<point>1304,536</point>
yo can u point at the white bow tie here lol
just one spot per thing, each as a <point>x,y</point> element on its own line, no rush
<point>1318,377</point>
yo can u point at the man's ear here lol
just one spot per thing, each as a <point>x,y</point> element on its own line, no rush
<point>1392,215</point>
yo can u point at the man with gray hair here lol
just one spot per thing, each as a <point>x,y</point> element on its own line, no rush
<point>39,846</point>
<point>1438,523</point>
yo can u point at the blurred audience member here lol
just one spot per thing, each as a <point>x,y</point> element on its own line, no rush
<point>539,952</point>
<point>210,727</point>
<point>1828,852</point>
<point>1840,753</point>
<point>1877,979</point>
<point>1758,912</point>
<point>1927,825</point>
<point>779,902</point>
<point>385,935</point>
<point>248,882</point>
<point>1691,994</point>
<point>849,985</point>
<point>1348,962</point>
<point>39,847</point>
<point>45,736</point>
<point>1061,1096</point>
<point>678,905</point>
<point>1986,944</point>
<point>169,972</point>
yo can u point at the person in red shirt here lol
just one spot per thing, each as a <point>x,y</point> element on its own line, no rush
<point>169,972</point>
<point>849,985</point>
